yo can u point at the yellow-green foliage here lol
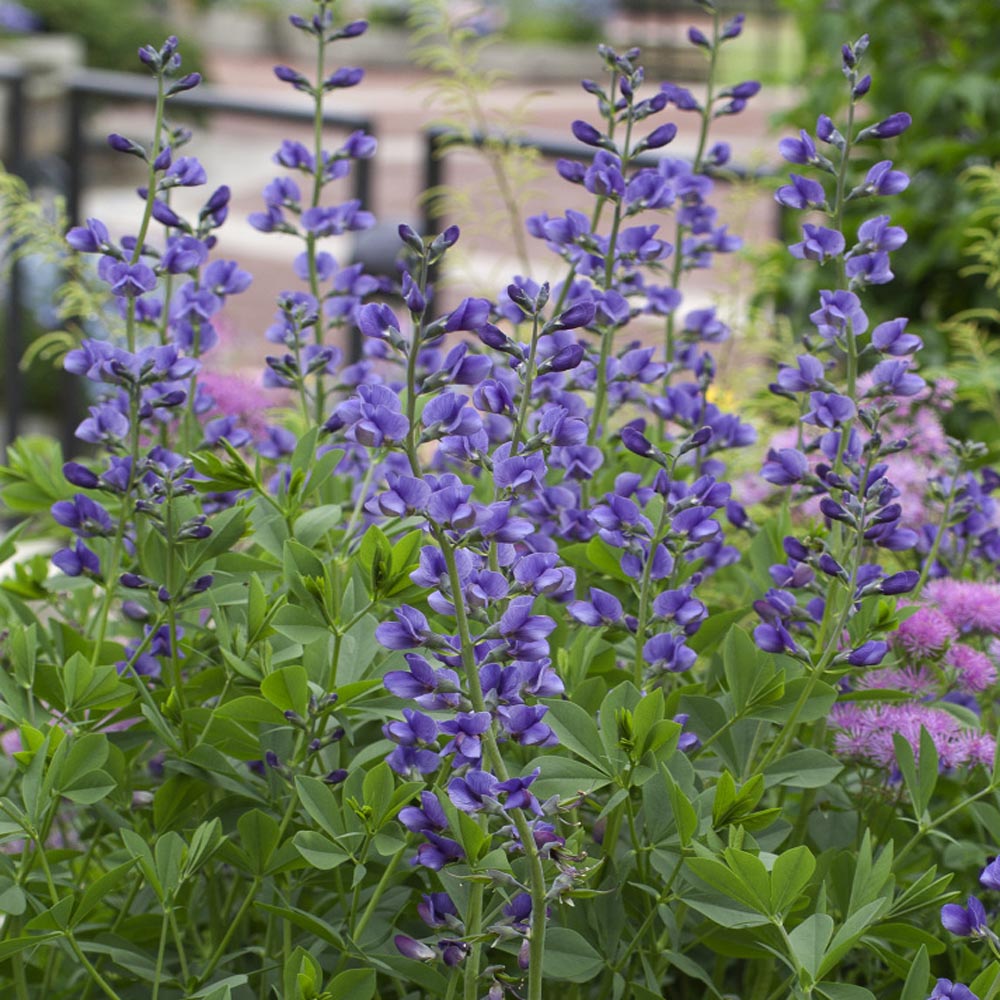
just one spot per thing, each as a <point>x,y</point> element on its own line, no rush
<point>974,334</point>
<point>31,229</point>
<point>453,51</point>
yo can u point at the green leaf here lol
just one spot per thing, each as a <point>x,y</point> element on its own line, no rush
<point>721,878</point>
<point>12,946</point>
<point>287,688</point>
<point>844,991</point>
<point>606,559</point>
<point>790,874</point>
<point>300,624</point>
<point>576,730</point>
<point>259,834</point>
<point>569,957</point>
<point>311,526</point>
<point>807,768</point>
<point>319,851</point>
<point>566,777</point>
<point>985,985</point>
<point>320,803</point>
<point>377,790</point>
<point>355,984</point>
<point>809,940</point>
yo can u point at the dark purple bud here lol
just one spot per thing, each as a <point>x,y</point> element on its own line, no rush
<point>831,509</point>
<point>353,29</point>
<point>824,128</point>
<point>636,442</point>
<point>733,27</point>
<point>411,948</point>
<point>579,314</point>
<point>862,86</point>
<point>586,133</point>
<point>336,777</point>
<point>80,475</point>
<point>188,82</point>
<point>900,583</point>
<point>868,654</point>
<point>698,37</point>
<point>122,145</point>
<point>661,136</point>
<point>887,128</point>
<point>571,171</point>
<point>566,359</point>
<point>271,759</point>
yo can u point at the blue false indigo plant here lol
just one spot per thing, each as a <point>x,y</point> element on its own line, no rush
<point>463,670</point>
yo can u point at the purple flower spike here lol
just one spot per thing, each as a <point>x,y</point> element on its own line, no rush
<point>965,921</point>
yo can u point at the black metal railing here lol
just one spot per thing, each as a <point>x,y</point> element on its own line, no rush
<point>83,88</point>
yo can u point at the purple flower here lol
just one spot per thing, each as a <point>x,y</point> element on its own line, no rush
<point>801,150</point>
<point>801,193</point>
<point>810,374</point>
<point>785,467</point>
<point>523,723</point>
<point>840,312</point>
<point>92,238</point>
<point>410,948</point>
<point>894,378</point>
<point>475,792</point>
<point>372,417</point>
<point>411,629</point>
<point>869,269</point>
<point>883,180</point>
<point>130,280</point>
<point>586,133</point>
<point>877,234</point>
<point>945,989</point>
<point>967,921</point>
<point>77,560</point>
<point>887,128</point>
<point>466,731</point>
<point>868,654</point>
<point>829,409</point>
<point>990,875</point>
<point>186,172</point>
<point>602,609</point>
<point>890,338</point>
<point>819,243</point>
<point>83,516</point>
<point>668,652</point>
<point>428,816</point>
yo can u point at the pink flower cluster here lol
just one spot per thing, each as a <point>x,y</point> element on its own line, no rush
<point>866,733</point>
<point>936,664</point>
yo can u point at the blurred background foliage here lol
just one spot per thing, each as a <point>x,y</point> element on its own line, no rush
<point>940,61</point>
<point>112,30</point>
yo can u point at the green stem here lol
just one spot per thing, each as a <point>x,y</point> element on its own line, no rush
<point>647,574</point>
<point>938,537</point>
<point>160,952</point>
<point>529,378</point>
<point>383,884</point>
<point>473,928</point>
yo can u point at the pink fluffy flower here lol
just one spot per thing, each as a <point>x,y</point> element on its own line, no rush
<point>867,734</point>
<point>975,670</point>
<point>970,607</point>
<point>924,634</point>
<point>916,681</point>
